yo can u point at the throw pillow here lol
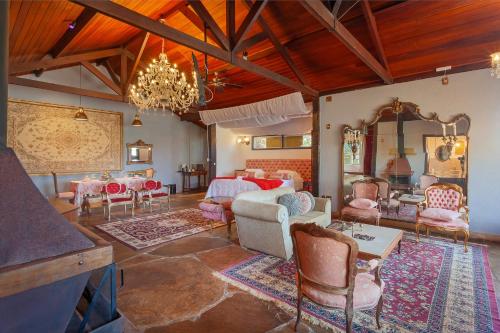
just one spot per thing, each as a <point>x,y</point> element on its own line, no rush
<point>298,203</point>
<point>362,203</point>
<point>275,175</point>
<point>311,197</point>
<point>440,214</point>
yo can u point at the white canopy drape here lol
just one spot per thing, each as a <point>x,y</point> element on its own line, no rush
<point>264,113</point>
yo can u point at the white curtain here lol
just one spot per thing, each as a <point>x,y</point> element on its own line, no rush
<point>265,113</point>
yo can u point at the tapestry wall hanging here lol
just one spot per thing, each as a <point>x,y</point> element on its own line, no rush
<point>46,138</point>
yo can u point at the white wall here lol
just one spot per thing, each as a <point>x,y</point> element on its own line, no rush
<point>475,93</point>
<point>174,142</point>
<point>232,155</point>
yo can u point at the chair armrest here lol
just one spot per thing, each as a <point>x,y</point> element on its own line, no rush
<point>322,205</point>
<point>264,211</point>
<point>371,265</point>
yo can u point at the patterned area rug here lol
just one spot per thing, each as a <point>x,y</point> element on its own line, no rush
<point>407,213</point>
<point>145,231</point>
<point>432,286</point>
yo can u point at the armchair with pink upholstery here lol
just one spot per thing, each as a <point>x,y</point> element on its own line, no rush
<point>425,182</point>
<point>387,197</point>
<point>327,273</point>
<point>443,209</point>
<point>116,194</point>
<point>359,209</point>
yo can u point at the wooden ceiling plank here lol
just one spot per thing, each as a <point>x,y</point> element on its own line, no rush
<point>101,76</point>
<point>248,22</point>
<point>198,22</point>
<point>231,22</point>
<point>374,33</point>
<point>279,47</point>
<point>140,21</point>
<point>70,34</point>
<point>251,41</point>
<point>138,57</point>
<point>28,67</point>
<point>210,22</point>
<point>318,10</point>
<point>61,88</point>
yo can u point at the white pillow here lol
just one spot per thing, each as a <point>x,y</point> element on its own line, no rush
<point>362,203</point>
<point>440,214</point>
<point>259,173</point>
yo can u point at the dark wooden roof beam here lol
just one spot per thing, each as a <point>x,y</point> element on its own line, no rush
<point>101,76</point>
<point>210,22</point>
<point>374,34</point>
<point>248,21</point>
<point>107,65</point>
<point>319,11</point>
<point>142,22</point>
<point>137,61</point>
<point>27,67</point>
<point>251,41</point>
<point>231,22</point>
<point>86,15</point>
<point>336,7</point>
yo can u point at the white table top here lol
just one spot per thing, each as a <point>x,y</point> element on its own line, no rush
<point>414,198</point>
<point>386,239</point>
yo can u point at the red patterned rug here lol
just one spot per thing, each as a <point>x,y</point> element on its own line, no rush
<point>144,231</point>
<point>432,286</point>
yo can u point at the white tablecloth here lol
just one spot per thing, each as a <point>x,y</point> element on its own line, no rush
<point>93,187</point>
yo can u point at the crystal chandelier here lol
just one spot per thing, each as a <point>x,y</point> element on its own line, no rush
<point>352,138</point>
<point>495,65</point>
<point>164,86</point>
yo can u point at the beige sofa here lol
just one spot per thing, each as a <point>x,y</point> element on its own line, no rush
<point>264,225</point>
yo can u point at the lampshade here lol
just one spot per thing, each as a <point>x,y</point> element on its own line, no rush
<point>137,121</point>
<point>80,115</point>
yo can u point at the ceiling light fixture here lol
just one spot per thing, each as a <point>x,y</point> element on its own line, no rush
<point>444,78</point>
<point>495,65</point>
<point>164,87</point>
<point>137,122</point>
<point>80,114</point>
<point>245,55</point>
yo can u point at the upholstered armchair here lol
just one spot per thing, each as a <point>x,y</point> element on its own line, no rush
<point>443,209</point>
<point>115,194</point>
<point>152,192</point>
<point>425,182</point>
<point>362,203</point>
<point>387,198</point>
<point>327,273</point>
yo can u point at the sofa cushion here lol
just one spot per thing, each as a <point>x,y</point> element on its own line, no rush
<point>291,202</point>
<point>363,203</point>
<point>440,214</point>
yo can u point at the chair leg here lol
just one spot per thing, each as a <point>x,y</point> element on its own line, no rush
<point>379,310</point>
<point>133,209</point>
<point>417,229</point>
<point>455,236</point>
<point>299,310</point>
<point>109,213</point>
<point>349,314</point>
<point>150,206</point>
<point>466,238</point>
<point>427,230</point>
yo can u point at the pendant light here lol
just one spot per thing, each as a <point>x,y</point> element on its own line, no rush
<point>80,114</point>
<point>137,121</point>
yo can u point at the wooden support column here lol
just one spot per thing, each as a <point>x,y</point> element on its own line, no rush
<point>315,147</point>
<point>212,152</point>
<point>4,69</point>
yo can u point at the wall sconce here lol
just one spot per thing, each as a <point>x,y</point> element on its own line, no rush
<point>495,65</point>
<point>243,140</point>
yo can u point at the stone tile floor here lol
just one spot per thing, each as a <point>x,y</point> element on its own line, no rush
<point>170,287</point>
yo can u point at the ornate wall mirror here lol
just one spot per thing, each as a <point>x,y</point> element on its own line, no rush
<point>139,153</point>
<point>409,151</point>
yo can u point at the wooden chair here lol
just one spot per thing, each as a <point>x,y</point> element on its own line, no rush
<point>386,196</point>
<point>448,198</point>
<point>116,194</point>
<point>327,273</point>
<point>362,189</point>
<point>152,192</point>
<point>70,196</point>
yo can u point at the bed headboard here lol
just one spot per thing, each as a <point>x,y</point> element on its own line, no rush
<point>302,166</point>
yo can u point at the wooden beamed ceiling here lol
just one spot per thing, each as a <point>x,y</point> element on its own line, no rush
<point>310,46</point>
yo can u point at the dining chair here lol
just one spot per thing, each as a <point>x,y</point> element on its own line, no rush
<point>368,190</point>
<point>116,194</point>
<point>62,195</point>
<point>387,198</point>
<point>327,273</point>
<point>443,209</point>
<point>152,192</point>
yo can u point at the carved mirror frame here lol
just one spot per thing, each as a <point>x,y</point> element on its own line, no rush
<point>398,107</point>
<point>142,144</point>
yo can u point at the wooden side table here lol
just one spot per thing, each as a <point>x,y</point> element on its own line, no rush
<point>186,179</point>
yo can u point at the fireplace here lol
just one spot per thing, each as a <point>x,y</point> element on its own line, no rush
<point>398,169</point>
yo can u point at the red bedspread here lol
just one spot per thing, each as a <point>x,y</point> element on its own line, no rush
<point>265,184</point>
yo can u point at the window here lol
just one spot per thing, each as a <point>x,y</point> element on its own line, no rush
<point>301,141</point>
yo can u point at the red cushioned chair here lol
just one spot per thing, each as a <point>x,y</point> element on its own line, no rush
<point>152,192</point>
<point>115,194</point>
